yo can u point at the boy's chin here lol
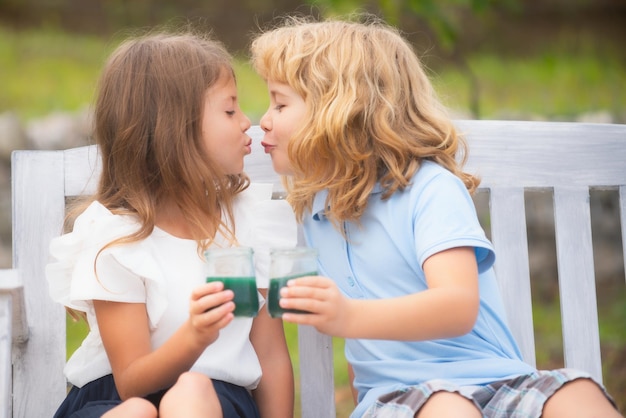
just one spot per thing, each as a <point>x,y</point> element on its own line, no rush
<point>281,168</point>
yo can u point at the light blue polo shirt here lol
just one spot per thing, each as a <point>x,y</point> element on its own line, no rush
<point>383,258</point>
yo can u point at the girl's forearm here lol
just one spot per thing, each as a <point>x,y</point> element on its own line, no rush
<point>275,394</point>
<point>161,368</point>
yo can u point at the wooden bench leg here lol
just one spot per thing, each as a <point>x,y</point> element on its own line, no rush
<point>6,369</point>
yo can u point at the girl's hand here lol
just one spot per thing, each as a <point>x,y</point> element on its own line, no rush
<point>210,309</point>
<point>329,311</point>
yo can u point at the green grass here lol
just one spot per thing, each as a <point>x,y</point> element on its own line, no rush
<point>551,86</point>
<point>46,71</point>
<point>52,71</point>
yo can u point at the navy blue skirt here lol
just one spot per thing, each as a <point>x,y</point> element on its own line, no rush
<point>100,396</point>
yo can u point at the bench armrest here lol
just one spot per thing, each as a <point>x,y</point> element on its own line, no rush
<point>11,285</point>
<point>13,330</point>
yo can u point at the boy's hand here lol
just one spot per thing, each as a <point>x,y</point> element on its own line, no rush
<point>328,310</point>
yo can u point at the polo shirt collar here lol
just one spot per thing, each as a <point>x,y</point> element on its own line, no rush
<point>317,210</point>
<point>319,201</point>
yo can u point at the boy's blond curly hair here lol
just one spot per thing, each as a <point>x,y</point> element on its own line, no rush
<point>373,114</point>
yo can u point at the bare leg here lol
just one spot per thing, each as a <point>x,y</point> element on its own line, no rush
<point>448,404</point>
<point>193,395</point>
<point>579,398</point>
<point>133,407</point>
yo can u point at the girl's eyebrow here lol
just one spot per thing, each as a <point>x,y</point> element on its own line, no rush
<point>230,99</point>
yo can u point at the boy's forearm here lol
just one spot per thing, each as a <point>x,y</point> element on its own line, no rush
<point>420,316</point>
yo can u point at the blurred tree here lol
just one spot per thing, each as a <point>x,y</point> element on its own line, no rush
<point>444,18</point>
<point>230,20</point>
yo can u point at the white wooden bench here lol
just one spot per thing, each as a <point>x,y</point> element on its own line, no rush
<point>511,157</point>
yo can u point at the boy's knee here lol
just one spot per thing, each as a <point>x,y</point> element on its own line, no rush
<point>448,404</point>
<point>579,398</point>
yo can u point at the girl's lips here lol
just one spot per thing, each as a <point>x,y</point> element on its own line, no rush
<point>268,147</point>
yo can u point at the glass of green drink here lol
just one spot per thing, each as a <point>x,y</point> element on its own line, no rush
<point>286,264</point>
<point>234,267</point>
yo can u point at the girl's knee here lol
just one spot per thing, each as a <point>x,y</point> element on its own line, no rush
<point>193,395</point>
<point>190,387</point>
<point>133,407</point>
<point>193,381</point>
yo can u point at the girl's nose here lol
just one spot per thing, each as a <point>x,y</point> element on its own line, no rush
<point>245,123</point>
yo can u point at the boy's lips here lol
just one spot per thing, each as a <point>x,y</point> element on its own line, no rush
<point>268,147</point>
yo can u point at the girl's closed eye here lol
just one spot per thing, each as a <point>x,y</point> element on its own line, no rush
<point>279,107</point>
<point>230,112</point>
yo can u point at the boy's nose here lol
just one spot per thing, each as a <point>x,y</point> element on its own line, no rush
<point>265,123</point>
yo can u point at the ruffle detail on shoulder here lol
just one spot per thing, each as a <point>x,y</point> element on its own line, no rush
<point>126,273</point>
<point>273,225</point>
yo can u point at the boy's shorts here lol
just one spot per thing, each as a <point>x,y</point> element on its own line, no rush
<point>523,396</point>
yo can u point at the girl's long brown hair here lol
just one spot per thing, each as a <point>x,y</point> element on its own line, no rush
<point>148,128</point>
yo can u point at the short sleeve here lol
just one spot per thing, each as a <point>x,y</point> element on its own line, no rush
<point>82,271</point>
<point>445,217</point>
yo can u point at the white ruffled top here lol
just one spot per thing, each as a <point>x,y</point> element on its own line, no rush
<point>161,271</point>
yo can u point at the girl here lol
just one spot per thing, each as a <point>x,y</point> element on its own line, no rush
<point>172,139</point>
<point>371,157</point>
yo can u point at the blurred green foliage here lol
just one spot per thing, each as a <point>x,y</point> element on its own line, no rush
<point>444,17</point>
<point>54,71</point>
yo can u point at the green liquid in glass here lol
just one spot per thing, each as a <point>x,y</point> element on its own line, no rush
<point>273,294</point>
<point>246,298</point>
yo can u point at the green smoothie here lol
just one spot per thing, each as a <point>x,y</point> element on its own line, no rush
<point>246,298</point>
<point>273,294</point>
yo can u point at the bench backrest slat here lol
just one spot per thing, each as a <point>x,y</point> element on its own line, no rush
<point>508,234</point>
<point>579,314</point>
